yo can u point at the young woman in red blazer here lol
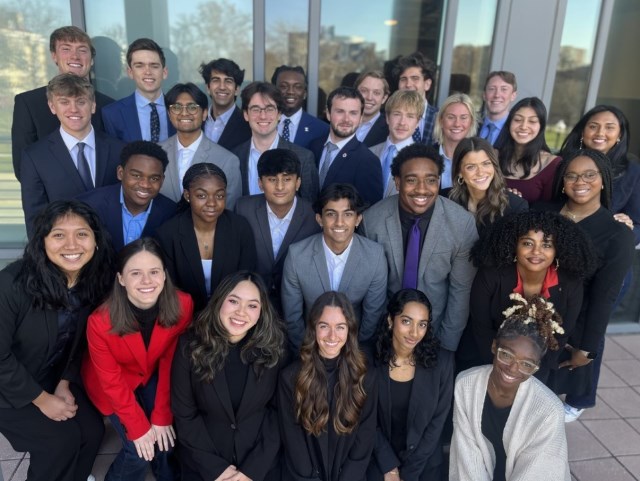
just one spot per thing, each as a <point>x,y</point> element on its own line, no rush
<point>132,338</point>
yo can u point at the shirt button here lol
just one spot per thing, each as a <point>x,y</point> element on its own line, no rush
<point>233,426</point>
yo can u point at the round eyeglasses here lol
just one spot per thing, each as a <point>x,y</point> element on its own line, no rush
<point>179,108</point>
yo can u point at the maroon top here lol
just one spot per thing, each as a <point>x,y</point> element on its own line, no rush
<point>538,188</point>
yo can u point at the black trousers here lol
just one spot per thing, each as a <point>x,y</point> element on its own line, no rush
<point>59,450</point>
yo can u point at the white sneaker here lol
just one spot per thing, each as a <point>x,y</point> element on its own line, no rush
<point>571,413</point>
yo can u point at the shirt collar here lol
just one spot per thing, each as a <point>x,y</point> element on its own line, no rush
<point>295,118</point>
<point>337,257</point>
<point>289,215</point>
<point>124,206</point>
<point>142,101</point>
<point>340,143</point>
<point>274,144</point>
<point>400,145</point>
<point>224,117</point>
<point>550,280</point>
<point>70,141</point>
<point>193,147</point>
<point>372,120</point>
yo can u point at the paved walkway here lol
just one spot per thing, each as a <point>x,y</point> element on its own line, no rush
<point>604,444</point>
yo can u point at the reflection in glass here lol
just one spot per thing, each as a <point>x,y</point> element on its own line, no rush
<point>287,34</point>
<point>472,47</point>
<point>573,69</point>
<point>25,64</point>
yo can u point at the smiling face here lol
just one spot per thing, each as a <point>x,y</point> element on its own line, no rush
<point>525,125</point>
<point>338,222</point>
<point>70,245</point>
<point>601,132</point>
<point>72,57</point>
<point>413,79</point>
<point>141,179</point>
<point>223,90</point>
<point>294,91</point>
<point>402,123</point>
<point>280,190</point>
<point>507,377</point>
<point>147,72</point>
<point>498,96</point>
<point>535,252</point>
<point>418,185</point>
<point>143,278</point>
<point>581,192</point>
<point>240,310</point>
<point>74,114</point>
<point>477,172</point>
<point>372,89</point>
<point>186,122</point>
<point>332,332</point>
<point>456,122</point>
<point>207,198</point>
<point>263,123</point>
<point>344,117</point>
<point>409,327</point>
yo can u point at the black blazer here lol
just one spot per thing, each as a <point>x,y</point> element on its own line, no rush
<point>48,172</point>
<point>33,120</point>
<point>211,435</point>
<point>106,202</point>
<point>27,339</point>
<point>309,185</point>
<point>429,404</point>
<point>233,249</point>
<point>354,164</point>
<point>306,456</point>
<point>236,131</point>
<point>303,224</point>
<point>379,131</point>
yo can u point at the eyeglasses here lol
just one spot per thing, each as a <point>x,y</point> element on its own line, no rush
<point>589,176</point>
<point>269,109</point>
<point>179,108</point>
<point>524,367</point>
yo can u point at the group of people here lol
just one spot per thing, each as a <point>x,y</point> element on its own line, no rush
<point>253,293</point>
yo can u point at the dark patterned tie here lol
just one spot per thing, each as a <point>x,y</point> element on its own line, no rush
<point>155,123</point>
<point>285,130</point>
<point>416,135</point>
<point>83,167</point>
<point>412,257</point>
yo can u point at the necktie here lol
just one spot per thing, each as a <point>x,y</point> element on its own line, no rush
<point>412,257</point>
<point>386,165</point>
<point>155,123</point>
<point>416,135</point>
<point>285,129</point>
<point>326,161</point>
<point>491,128</point>
<point>83,167</point>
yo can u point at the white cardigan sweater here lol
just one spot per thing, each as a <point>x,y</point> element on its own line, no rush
<point>534,436</point>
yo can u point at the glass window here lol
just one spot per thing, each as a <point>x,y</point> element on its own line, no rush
<point>287,34</point>
<point>190,33</point>
<point>573,69</point>
<point>25,64</point>
<point>472,47</point>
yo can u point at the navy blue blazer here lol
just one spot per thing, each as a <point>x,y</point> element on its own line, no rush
<point>354,164</point>
<point>121,120</point>
<point>310,129</point>
<point>48,172</point>
<point>378,133</point>
<point>106,202</point>
<point>33,120</point>
<point>235,132</point>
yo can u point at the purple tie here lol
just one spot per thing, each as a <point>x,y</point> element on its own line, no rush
<point>412,257</point>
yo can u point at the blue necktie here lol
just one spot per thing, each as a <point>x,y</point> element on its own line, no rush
<point>386,166</point>
<point>83,167</point>
<point>326,162</point>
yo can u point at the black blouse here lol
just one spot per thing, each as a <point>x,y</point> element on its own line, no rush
<point>236,372</point>
<point>494,420</point>
<point>400,395</point>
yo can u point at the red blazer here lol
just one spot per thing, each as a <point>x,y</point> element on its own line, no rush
<point>116,365</point>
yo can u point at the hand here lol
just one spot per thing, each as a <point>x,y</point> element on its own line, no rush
<point>578,358</point>
<point>144,445</point>
<point>227,473</point>
<point>165,436</point>
<point>54,407</point>
<point>624,218</point>
<point>393,475</point>
<point>238,476</point>
<point>63,392</point>
<point>514,191</point>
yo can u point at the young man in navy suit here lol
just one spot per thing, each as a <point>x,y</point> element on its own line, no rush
<point>296,125</point>
<point>341,157</point>
<point>72,52</point>
<point>278,217</point>
<point>224,124</point>
<point>375,91</point>
<point>134,208</point>
<point>71,160</point>
<point>143,114</point>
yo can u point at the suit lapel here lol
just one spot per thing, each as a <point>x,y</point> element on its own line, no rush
<point>436,225</point>
<point>320,263</point>
<point>191,253</point>
<point>297,219</point>
<point>102,159</point>
<point>221,388</point>
<point>394,233</point>
<point>59,151</point>
<point>136,345</point>
<point>263,226</point>
<point>172,175</point>
<point>131,119</point>
<point>416,402</point>
<point>114,219</point>
<point>351,266</point>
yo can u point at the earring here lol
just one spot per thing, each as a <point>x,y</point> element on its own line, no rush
<point>515,259</point>
<point>602,187</point>
<point>557,263</point>
<point>580,143</point>
<point>460,180</point>
<point>97,248</point>
<point>618,141</point>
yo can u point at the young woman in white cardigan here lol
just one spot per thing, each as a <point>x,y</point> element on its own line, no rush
<point>508,426</point>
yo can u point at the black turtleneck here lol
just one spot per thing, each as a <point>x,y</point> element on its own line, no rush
<point>146,320</point>
<point>236,372</point>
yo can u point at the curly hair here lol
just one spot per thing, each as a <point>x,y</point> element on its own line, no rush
<point>311,402</point>
<point>575,252</point>
<point>602,164</point>
<point>210,345</point>
<point>534,318</point>
<point>425,353</point>
<point>530,155</point>
<point>495,201</point>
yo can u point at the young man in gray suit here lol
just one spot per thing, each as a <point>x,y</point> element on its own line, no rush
<point>278,217</point>
<point>187,111</point>
<point>426,240</point>
<point>335,260</point>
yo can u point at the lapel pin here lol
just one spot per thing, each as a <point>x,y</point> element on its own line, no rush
<point>344,155</point>
<point>306,129</point>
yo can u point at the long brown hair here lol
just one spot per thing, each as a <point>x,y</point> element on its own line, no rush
<point>311,400</point>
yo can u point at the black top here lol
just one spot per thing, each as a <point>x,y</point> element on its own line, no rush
<point>236,373</point>
<point>400,395</point>
<point>331,365</point>
<point>493,422</point>
<point>146,320</point>
<point>67,327</point>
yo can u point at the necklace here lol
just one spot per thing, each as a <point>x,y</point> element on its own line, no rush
<point>204,240</point>
<point>567,213</point>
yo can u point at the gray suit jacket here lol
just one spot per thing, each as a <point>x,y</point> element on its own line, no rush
<point>305,277</point>
<point>390,188</point>
<point>208,151</point>
<point>445,272</point>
